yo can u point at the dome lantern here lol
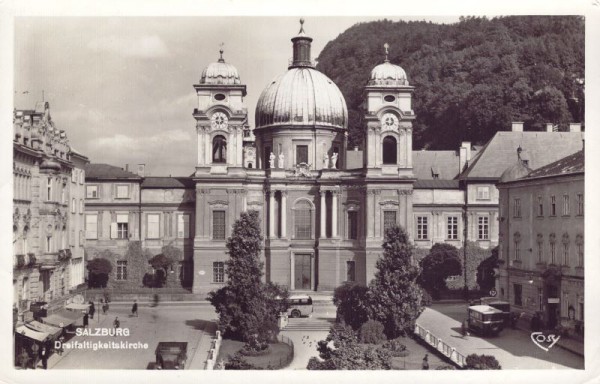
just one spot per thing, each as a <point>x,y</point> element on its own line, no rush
<point>220,73</point>
<point>388,74</point>
<point>301,56</point>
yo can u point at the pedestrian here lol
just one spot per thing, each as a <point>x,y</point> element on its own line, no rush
<point>463,328</point>
<point>426,362</point>
<point>116,324</point>
<point>134,309</point>
<point>92,309</point>
<point>44,356</point>
<point>155,300</point>
<point>105,307</point>
<point>61,341</point>
<point>23,359</point>
<point>35,354</point>
<point>85,320</point>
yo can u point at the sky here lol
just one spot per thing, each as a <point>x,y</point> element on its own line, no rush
<point>122,87</point>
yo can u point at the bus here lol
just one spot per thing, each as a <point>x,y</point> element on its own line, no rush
<point>485,320</point>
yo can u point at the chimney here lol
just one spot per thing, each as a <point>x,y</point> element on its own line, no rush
<point>517,126</point>
<point>464,155</point>
<point>575,127</point>
<point>549,127</point>
<point>141,170</point>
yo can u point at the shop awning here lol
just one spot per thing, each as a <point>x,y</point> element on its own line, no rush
<point>30,333</point>
<point>78,307</point>
<point>45,328</point>
<point>62,318</point>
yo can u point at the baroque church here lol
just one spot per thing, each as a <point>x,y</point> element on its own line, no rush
<point>324,209</point>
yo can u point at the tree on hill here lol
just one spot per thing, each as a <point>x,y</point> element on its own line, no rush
<point>441,262</point>
<point>471,78</point>
<point>394,296</point>
<point>248,308</point>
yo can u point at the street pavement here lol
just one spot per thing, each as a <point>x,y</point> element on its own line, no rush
<point>184,323</point>
<point>513,348</point>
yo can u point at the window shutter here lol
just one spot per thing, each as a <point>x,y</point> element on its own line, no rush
<point>113,230</point>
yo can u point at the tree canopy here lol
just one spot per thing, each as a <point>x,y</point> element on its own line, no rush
<point>442,261</point>
<point>471,78</point>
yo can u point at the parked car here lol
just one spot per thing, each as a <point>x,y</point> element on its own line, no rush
<point>504,306</point>
<point>171,355</point>
<point>300,305</point>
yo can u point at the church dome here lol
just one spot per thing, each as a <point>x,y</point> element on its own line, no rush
<point>516,171</point>
<point>220,73</point>
<point>302,96</point>
<point>388,74</point>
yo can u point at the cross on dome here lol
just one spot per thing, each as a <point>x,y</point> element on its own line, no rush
<point>386,46</point>
<point>301,32</point>
<point>221,60</point>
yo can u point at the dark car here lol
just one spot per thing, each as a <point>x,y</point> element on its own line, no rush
<point>171,355</point>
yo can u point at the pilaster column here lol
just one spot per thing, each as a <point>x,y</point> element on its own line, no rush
<point>207,147</point>
<point>370,213</point>
<point>271,214</point>
<point>378,147</point>
<point>283,213</point>
<point>323,215</point>
<point>334,215</point>
<point>200,134</point>
<point>240,149</point>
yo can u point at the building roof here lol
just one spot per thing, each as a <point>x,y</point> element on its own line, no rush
<point>106,171</point>
<point>168,182</point>
<point>436,184</point>
<point>539,149</point>
<point>571,164</point>
<point>445,163</point>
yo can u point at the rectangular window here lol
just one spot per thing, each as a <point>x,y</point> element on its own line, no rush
<point>183,226</point>
<point>81,176</point>
<point>267,158</point>
<point>91,191</point>
<point>553,253</point>
<point>452,232</point>
<point>122,191</point>
<point>483,193</point>
<point>121,270</point>
<point>91,226</point>
<point>422,230</point>
<point>74,176</point>
<point>517,208</point>
<point>49,185</point>
<point>302,223</point>
<point>580,255</point>
<point>389,220</point>
<point>350,270</point>
<point>517,251</point>
<point>580,204</point>
<point>565,254</point>
<point>81,207</point>
<point>73,206</point>
<point>353,225</point>
<point>552,205</point>
<point>218,272</point>
<point>301,154</point>
<point>540,299</point>
<point>218,222</point>
<point>153,226</point>
<point>483,223</point>
<point>518,292</point>
<point>540,206</point>
<point>540,252</point>
<point>566,208</point>
<point>122,226</point>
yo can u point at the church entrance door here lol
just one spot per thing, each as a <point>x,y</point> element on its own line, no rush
<point>302,269</point>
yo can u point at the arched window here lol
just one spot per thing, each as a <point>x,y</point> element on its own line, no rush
<point>389,150</point>
<point>219,149</point>
<point>302,220</point>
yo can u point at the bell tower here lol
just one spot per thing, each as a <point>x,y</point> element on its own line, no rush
<point>221,118</point>
<point>389,117</point>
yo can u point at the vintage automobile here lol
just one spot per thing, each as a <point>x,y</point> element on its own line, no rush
<point>485,320</point>
<point>504,306</point>
<point>171,355</point>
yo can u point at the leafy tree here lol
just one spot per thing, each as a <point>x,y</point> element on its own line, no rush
<point>394,296</point>
<point>475,255</point>
<point>486,277</point>
<point>238,362</point>
<point>247,307</point>
<point>341,350</point>
<point>371,332</point>
<point>478,362</point>
<point>161,264</point>
<point>351,301</point>
<point>99,270</point>
<point>441,262</point>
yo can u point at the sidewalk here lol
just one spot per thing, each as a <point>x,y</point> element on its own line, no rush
<point>198,360</point>
<point>573,346</point>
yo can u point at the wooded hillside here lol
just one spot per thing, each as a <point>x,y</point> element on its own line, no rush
<point>472,78</point>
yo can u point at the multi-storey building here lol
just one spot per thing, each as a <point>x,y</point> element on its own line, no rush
<point>47,212</point>
<point>541,248</point>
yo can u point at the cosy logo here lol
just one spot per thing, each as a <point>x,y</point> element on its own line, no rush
<point>539,338</point>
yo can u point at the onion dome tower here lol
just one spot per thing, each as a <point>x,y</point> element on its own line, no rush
<point>221,117</point>
<point>389,117</point>
<point>301,115</point>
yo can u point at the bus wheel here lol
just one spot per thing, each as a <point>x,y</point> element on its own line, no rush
<point>295,313</point>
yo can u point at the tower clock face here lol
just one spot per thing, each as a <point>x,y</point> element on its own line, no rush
<point>218,120</point>
<point>389,121</point>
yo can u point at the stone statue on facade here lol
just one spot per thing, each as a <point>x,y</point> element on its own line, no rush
<point>281,160</point>
<point>272,160</point>
<point>326,161</point>
<point>334,158</point>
